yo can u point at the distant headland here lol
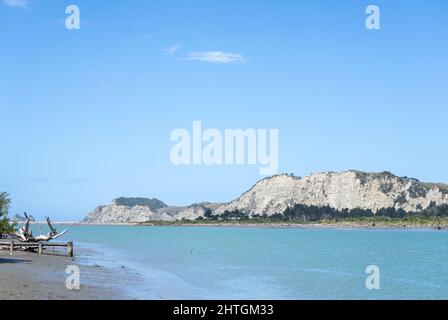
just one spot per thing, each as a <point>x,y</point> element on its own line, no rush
<point>329,197</point>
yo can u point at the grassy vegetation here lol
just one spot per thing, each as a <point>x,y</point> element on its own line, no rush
<point>144,202</point>
<point>434,216</point>
<point>5,226</point>
<point>411,221</point>
<point>443,187</point>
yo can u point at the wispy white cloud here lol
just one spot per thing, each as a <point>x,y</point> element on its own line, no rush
<point>217,57</point>
<point>172,49</point>
<point>16,3</point>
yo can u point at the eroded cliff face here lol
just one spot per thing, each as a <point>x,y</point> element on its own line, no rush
<point>191,212</point>
<point>20,219</point>
<point>122,214</point>
<point>345,190</point>
<point>115,213</point>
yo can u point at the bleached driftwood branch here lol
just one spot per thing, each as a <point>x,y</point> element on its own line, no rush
<point>24,234</point>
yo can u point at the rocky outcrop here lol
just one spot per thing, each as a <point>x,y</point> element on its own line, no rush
<point>345,190</point>
<point>123,214</point>
<point>192,212</point>
<point>19,219</point>
<point>270,196</point>
<point>129,210</point>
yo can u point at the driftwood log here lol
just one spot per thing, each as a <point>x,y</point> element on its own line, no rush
<point>24,234</point>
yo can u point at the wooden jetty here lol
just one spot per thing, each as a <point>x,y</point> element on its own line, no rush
<point>39,246</point>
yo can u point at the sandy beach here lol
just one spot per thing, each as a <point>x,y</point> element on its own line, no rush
<point>29,276</point>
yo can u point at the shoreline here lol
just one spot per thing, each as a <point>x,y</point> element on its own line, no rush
<point>29,276</point>
<point>303,226</point>
<point>108,274</point>
<point>341,225</point>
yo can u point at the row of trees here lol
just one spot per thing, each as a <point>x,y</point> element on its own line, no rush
<point>306,213</point>
<point>312,213</point>
<point>5,226</point>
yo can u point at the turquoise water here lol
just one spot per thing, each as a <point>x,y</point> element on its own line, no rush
<point>270,263</point>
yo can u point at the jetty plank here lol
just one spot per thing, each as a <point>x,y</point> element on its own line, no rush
<point>13,245</point>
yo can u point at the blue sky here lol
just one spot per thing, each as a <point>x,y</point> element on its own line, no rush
<point>86,115</point>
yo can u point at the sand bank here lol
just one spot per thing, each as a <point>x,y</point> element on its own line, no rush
<point>29,276</point>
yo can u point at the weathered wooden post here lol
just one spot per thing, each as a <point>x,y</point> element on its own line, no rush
<point>11,247</point>
<point>40,248</point>
<point>70,249</point>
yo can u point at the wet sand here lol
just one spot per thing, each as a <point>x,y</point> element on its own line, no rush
<point>29,276</point>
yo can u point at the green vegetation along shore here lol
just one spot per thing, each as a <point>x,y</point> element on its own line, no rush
<point>5,226</point>
<point>380,222</point>
<point>302,215</point>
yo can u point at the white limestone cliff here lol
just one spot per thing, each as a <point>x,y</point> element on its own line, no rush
<point>345,190</point>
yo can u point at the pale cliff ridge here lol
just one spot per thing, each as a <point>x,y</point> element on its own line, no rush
<point>344,190</point>
<point>273,195</point>
<point>21,218</point>
<point>191,212</point>
<point>123,214</point>
<point>139,210</point>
